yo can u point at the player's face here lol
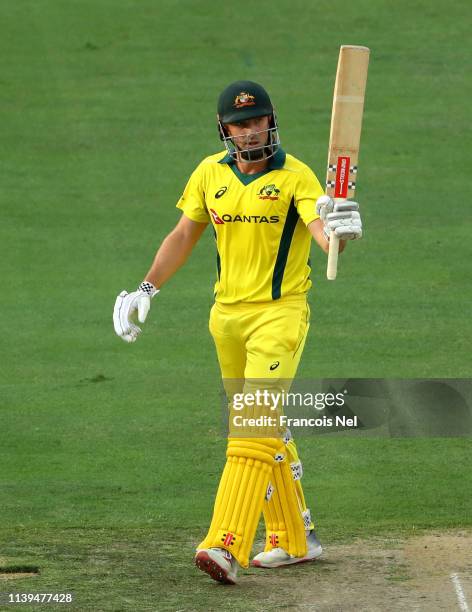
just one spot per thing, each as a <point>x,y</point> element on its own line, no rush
<point>250,135</point>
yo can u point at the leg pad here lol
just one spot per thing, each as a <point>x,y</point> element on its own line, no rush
<point>285,527</point>
<point>241,493</point>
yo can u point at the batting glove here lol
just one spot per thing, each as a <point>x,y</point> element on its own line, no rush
<point>126,305</point>
<point>341,217</point>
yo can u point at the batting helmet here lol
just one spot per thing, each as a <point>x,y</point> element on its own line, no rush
<point>243,100</point>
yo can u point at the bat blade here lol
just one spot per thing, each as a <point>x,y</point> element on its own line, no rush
<point>345,133</point>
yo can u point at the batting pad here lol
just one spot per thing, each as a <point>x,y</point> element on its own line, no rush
<point>283,511</point>
<point>240,495</point>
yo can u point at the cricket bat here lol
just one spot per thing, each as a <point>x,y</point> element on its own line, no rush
<point>345,133</point>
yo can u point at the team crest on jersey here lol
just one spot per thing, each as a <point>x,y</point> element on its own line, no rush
<point>268,192</point>
<point>244,99</point>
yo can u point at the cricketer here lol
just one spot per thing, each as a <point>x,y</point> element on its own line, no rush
<point>264,206</point>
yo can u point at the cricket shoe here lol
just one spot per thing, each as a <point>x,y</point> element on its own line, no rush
<point>217,563</point>
<point>278,556</point>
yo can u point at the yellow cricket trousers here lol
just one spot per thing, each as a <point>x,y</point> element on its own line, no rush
<point>262,340</point>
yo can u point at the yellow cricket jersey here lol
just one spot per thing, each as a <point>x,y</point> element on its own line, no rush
<point>259,222</point>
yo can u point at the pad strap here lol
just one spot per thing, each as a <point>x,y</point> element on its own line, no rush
<point>285,511</point>
<point>297,470</point>
<point>285,526</point>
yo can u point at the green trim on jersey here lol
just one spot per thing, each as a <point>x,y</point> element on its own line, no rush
<point>218,259</point>
<point>284,247</point>
<point>275,163</point>
<point>247,178</point>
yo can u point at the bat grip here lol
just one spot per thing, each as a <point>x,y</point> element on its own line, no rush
<point>332,269</point>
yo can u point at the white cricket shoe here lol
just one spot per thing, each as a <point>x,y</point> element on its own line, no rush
<point>217,563</point>
<point>278,556</point>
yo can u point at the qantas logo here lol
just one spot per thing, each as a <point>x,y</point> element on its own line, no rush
<point>226,218</point>
<point>216,218</point>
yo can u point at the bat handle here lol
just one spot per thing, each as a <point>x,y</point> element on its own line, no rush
<point>332,269</point>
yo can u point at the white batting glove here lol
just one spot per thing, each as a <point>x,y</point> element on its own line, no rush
<point>341,217</point>
<point>126,305</point>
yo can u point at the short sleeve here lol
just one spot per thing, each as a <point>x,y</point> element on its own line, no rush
<point>192,201</point>
<point>307,191</point>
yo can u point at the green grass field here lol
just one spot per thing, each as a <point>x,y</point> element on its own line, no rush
<point>109,453</point>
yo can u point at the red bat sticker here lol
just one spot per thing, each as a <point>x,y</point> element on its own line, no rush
<point>342,177</point>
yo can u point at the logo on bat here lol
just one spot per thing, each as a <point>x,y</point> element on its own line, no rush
<point>342,177</point>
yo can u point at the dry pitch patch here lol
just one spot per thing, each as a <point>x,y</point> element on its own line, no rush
<point>425,572</point>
